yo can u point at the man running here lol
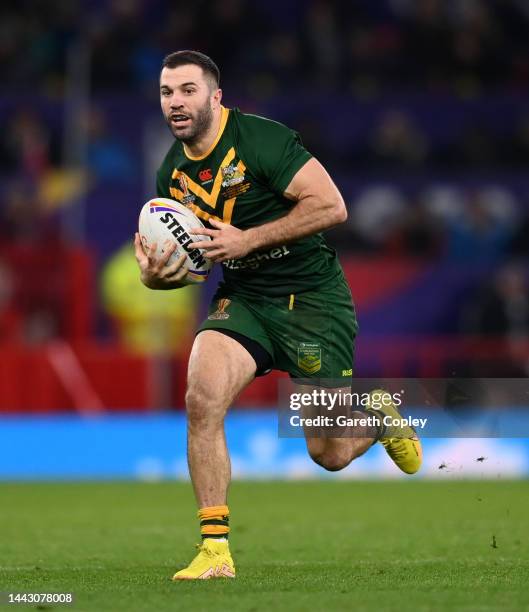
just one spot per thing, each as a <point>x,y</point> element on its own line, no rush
<point>284,303</point>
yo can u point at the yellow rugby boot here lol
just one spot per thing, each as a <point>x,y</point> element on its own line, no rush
<point>213,561</point>
<point>406,453</point>
<point>400,441</point>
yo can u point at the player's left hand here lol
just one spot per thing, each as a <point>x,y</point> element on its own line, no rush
<point>227,242</point>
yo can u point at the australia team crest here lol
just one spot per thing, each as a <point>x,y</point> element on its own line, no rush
<point>309,357</point>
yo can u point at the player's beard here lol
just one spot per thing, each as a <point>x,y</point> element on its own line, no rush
<point>200,123</point>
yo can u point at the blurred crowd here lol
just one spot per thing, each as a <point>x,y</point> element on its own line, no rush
<point>437,219</point>
<point>362,46</point>
<point>474,225</point>
<point>380,91</point>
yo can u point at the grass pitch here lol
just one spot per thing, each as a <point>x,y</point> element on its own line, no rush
<point>454,545</point>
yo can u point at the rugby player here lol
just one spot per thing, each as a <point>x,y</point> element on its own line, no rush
<point>284,302</point>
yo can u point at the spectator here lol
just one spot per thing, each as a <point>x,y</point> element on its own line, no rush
<point>23,217</point>
<point>500,310</point>
<point>106,157</point>
<point>147,322</point>
<point>396,141</point>
<point>28,146</point>
<point>477,236</point>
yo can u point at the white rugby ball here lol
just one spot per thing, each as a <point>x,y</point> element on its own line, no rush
<point>162,219</point>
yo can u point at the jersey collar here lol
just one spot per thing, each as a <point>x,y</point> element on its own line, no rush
<point>223,121</point>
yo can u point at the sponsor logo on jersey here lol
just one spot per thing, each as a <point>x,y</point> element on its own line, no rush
<point>254,261</point>
<point>309,357</point>
<point>205,176</point>
<point>220,314</point>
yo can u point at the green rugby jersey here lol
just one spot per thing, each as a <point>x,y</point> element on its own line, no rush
<point>241,181</point>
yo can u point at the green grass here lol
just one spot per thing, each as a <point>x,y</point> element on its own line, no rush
<point>297,546</point>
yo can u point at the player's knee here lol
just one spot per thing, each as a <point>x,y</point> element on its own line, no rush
<point>203,409</point>
<point>331,460</point>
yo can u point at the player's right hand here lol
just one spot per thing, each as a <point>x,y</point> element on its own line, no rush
<point>154,271</point>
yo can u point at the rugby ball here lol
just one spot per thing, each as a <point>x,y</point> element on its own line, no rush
<point>162,219</point>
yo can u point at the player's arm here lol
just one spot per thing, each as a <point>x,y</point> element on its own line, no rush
<point>154,272</point>
<point>318,206</point>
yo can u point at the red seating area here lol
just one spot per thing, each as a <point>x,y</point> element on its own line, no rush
<point>72,371</point>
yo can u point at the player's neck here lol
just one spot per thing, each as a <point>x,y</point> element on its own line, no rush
<point>207,141</point>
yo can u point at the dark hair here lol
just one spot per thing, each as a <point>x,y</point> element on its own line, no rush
<point>181,58</point>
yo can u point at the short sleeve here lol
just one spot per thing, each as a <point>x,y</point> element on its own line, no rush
<point>279,153</point>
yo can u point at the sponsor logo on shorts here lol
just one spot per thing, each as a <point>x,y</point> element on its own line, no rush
<point>309,357</point>
<point>348,372</point>
<point>220,314</point>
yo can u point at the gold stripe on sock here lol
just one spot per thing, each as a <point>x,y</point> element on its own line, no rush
<point>215,530</point>
<point>213,512</point>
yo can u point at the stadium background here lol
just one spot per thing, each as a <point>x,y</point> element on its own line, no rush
<point>418,110</point>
